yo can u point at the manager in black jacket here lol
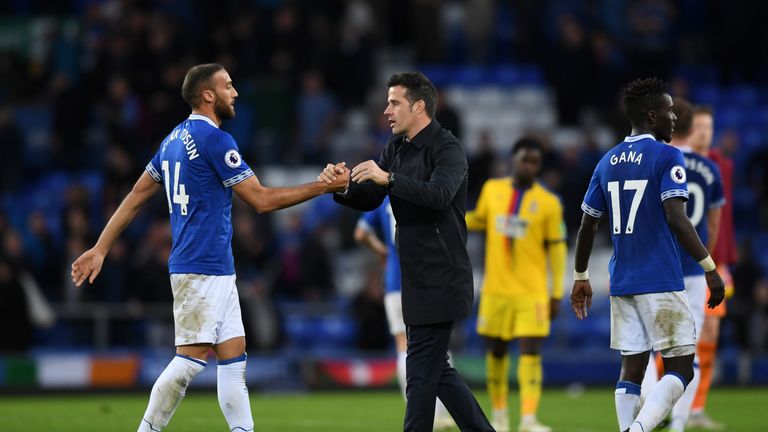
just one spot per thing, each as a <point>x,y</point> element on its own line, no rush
<point>424,170</point>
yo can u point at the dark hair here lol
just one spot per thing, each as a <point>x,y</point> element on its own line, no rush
<point>641,96</point>
<point>527,143</point>
<point>418,87</point>
<point>684,113</point>
<point>703,109</point>
<point>198,78</point>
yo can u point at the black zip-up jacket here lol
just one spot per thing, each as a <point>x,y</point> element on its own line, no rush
<point>429,200</point>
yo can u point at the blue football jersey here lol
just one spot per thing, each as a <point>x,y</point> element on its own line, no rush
<point>705,192</point>
<point>198,163</point>
<point>383,220</point>
<point>630,183</point>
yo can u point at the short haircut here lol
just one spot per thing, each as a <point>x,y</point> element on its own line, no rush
<point>527,143</point>
<point>641,96</point>
<point>197,79</point>
<point>684,113</point>
<point>703,109</point>
<point>418,87</point>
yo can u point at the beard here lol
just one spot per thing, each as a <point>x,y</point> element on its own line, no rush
<point>222,110</point>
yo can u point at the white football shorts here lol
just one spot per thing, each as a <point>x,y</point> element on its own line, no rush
<point>696,288</point>
<point>206,309</point>
<point>394,307</point>
<point>659,321</point>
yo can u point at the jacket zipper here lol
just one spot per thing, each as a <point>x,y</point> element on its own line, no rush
<point>442,243</point>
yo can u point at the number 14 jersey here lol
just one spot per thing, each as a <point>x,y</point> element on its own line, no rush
<point>630,183</point>
<point>198,163</point>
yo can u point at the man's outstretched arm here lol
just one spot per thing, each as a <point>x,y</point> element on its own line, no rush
<point>88,265</point>
<point>267,199</point>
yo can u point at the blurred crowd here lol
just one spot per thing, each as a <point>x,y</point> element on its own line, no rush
<point>89,88</point>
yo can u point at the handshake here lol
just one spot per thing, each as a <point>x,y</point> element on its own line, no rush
<point>338,176</point>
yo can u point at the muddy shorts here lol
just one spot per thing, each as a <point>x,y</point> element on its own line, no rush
<point>659,321</point>
<point>206,309</point>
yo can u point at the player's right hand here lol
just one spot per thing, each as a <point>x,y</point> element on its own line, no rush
<point>581,298</point>
<point>716,288</point>
<point>329,173</point>
<point>87,266</point>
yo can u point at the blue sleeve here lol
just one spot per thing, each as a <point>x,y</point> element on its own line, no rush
<point>222,153</point>
<point>718,195</point>
<point>672,178</point>
<point>594,200</point>
<point>154,168</point>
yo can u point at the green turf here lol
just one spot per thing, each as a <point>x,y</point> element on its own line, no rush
<point>743,410</point>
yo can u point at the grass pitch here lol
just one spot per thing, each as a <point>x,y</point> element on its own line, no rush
<point>742,409</point>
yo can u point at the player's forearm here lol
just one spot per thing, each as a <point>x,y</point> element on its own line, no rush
<point>713,227</point>
<point>118,222</point>
<point>144,188</point>
<point>271,199</point>
<point>584,240</point>
<point>558,253</point>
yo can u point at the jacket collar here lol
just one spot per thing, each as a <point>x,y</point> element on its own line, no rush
<point>425,135</point>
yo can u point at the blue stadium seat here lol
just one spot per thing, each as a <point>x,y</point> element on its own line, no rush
<point>35,123</point>
<point>338,331</point>
<point>760,250</point>
<point>743,209</point>
<point>758,117</point>
<point>741,96</point>
<point>705,94</point>
<point>753,138</point>
<point>531,74</point>
<point>698,73</point>
<point>469,76</point>
<point>729,116</point>
<point>93,181</point>
<point>505,75</point>
<point>439,75</point>
<point>299,330</point>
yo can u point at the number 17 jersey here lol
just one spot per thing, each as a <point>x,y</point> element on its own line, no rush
<point>198,163</point>
<point>630,183</point>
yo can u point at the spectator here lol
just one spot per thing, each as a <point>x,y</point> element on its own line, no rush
<point>481,166</point>
<point>569,70</point>
<point>14,308</point>
<point>368,311</point>
<point>12,147</point>
<point>43,254</point>
<point>317,116</point>
<point>749,303</point>
<point>447,115</point>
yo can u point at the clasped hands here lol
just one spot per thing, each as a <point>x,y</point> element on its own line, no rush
<point>363,172</point>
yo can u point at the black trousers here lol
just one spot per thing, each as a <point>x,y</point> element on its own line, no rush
<point>428,375</point>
